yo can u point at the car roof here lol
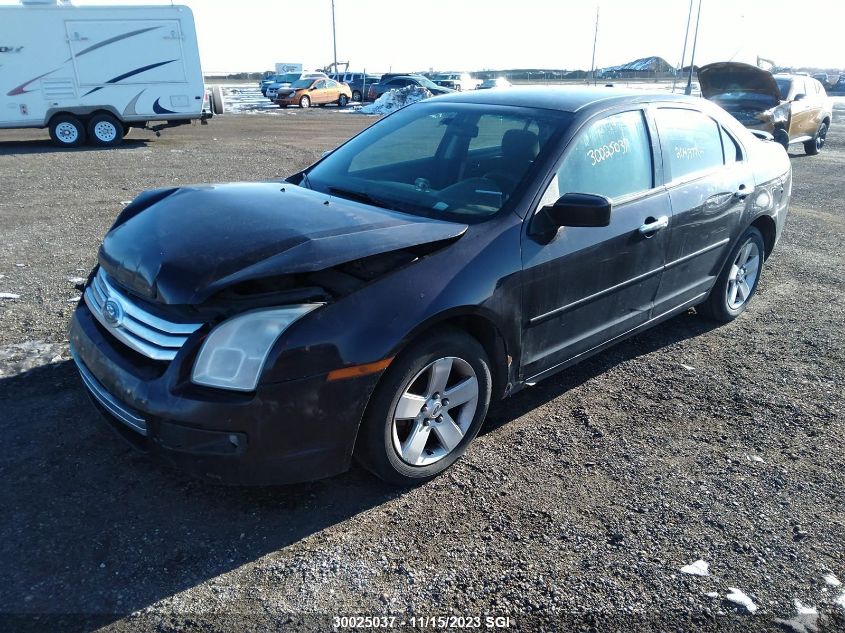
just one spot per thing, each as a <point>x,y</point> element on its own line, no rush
<point>564,98</point>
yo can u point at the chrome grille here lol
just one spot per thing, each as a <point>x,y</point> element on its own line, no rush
<point>146,333</point>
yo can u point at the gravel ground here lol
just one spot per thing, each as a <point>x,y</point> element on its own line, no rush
<point>576,507</point>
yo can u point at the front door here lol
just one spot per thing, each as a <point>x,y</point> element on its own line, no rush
<point>589,285</point>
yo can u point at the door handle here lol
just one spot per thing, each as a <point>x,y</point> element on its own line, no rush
<point>652,226</point>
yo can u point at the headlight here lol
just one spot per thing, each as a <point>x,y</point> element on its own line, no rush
<point>233,355</point>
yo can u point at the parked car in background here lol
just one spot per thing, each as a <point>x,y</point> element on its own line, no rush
<point>401,81</point>
<point>793,108</point>
<point>287,80</point>
<point>314,91</point>
<point>377,303</point>
<point>495,82</point>
<point>359,83</point>
<point>456,81</point>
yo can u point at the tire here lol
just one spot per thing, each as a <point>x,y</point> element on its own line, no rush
<point>385,445</point>
<point>356,95</point>
<point>732,293</point>
<point>815,145</point>
<point>218,106</point>
<point>304,102</point>
<point>105,130</point>
<point>67,131</point>
<point>342,100</point>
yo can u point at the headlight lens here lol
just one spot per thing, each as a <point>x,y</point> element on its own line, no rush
<point>233,355</point>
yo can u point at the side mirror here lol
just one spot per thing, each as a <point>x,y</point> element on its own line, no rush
<point>572,209</point>
<point>799,96</point>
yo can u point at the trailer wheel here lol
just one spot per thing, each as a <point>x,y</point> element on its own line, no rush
<point>67,131</point>
<point>105,130</point>
<point>217,104</point>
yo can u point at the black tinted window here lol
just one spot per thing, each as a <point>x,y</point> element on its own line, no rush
<point>691,141</point>
<point>612,158</point>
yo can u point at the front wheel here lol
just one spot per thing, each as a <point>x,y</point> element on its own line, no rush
<point>737,282</point>
<point>815,145</point>
<point>342,101</point>
<point>356,95</point>
<point>427,408</point>
<point>67,131</point>
<point>304,102</point>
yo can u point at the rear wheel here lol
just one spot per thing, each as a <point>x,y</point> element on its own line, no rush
<point>737,282</point>
<point>304,102</point>
<point>815,145</point>
<point>427,408</point>
<point>67,131</point>
<point>105,130</point>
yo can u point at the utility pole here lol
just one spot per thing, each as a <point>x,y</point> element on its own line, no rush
<point>684,52</point>
<point>334,39</point>
<point>595,39</point>
<point>688,91</point>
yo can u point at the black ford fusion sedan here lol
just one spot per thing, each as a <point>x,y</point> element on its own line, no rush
<point>376,303</point>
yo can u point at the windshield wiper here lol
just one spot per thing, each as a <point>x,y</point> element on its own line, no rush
<point>361,196</point>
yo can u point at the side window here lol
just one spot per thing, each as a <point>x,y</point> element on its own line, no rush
<point>733,154</point>
<point>612,158</point>
<point>691,141</point>
<point>331,84</point>
<point>319,85</point>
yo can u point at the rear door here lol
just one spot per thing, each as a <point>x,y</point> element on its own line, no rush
<point>709,181</point>
<point>589,285</point>
<point>126,51</point>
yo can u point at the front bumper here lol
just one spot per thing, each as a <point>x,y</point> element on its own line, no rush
<point>294,431</point>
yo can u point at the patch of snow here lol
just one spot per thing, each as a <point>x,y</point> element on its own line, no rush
<point>756,458</point>
<point>76,280</point>
<point>395,99</point>
<point>832,580</point>
<point>712,594</point>
<point>698,568</point>
<point>20,265</point>
<point>840,601</point>
<point>805,622</point>
<point>9,295</point>
<point>688,367</point>
<point>738,597</point>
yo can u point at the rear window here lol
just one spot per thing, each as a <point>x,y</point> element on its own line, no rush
<point>691,141</point>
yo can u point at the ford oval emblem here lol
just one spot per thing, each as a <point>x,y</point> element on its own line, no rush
<point>113,313</point>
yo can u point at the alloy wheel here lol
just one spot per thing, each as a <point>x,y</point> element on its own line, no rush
<point>821,136</point>
<point>743,275</point>
<point>435,411</point>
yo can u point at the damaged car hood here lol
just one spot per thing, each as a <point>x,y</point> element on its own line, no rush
<point>181,246</point>
<point>734,77</point>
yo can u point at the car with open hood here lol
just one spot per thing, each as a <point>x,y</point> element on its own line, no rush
<point>397,82</point>
<point>377,303</point>
<point>793,108</point>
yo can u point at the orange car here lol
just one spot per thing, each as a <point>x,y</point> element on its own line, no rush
<point>314,91</point>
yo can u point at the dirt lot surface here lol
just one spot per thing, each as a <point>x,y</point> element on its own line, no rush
<point>579,504</point>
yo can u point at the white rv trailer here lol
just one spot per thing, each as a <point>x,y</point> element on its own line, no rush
<point>91,73</point>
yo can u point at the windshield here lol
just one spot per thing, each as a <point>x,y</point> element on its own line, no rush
<point>451,161</point>
<point>426,82</point>
<point>288,78</point>
<point>302,83</point>
<point>784,85</point>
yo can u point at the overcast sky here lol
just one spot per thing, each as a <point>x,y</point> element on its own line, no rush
<point>488,34</point>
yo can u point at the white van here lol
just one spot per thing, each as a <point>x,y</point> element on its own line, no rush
<point>91,73</point>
